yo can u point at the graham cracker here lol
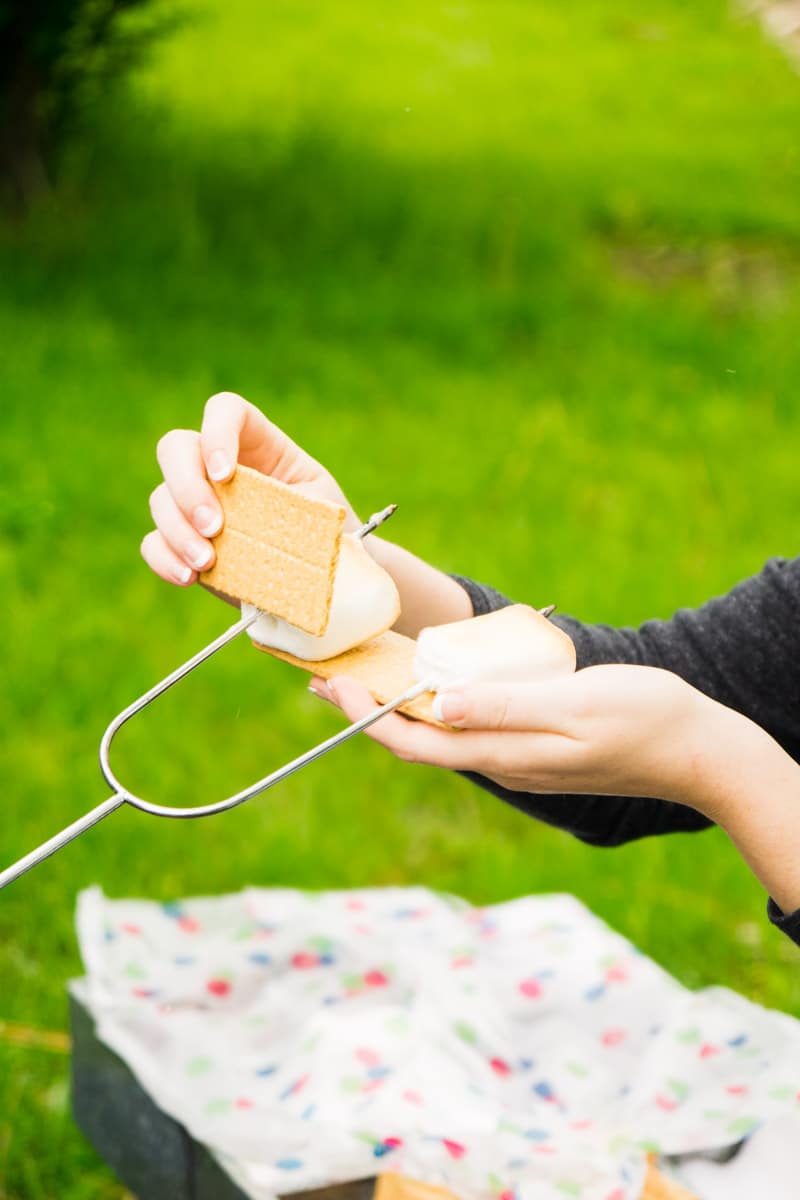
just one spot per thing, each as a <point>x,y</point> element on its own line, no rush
<point>658,1187</point>
<point>399,1187</point>
<point>277,549</point>
<point>385,665</point>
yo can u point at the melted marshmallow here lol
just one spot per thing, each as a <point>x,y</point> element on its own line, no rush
<point>514,643</point>
<point>365,602</point>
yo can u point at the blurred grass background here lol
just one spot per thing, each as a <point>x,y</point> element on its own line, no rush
<point>533,271</point>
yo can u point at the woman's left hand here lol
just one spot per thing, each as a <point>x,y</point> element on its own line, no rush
<point>613,730</point>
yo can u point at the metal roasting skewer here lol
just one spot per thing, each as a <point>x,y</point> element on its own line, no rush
<point>121,795</point>
<point>375,520</point>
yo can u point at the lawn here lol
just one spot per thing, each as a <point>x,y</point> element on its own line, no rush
<point>531,271</point>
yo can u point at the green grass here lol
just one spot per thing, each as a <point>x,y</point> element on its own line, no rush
<point>532,271</point>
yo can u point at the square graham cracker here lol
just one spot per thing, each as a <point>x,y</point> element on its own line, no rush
<point>277,549</point>
<point>385,665</point>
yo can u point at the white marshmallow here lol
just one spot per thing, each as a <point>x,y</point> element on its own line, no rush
<point>365,602</point>
<point>514,643</point>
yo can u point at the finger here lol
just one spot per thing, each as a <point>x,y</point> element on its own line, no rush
<point>544,706</point>
<point>184,472</point>
<point>412,741</point>
<point>224,418</point>
<point>181,537</point>
<point>164,561</point>
<point>319,688</point>
<point>234,431</point>
<point>522,761</point>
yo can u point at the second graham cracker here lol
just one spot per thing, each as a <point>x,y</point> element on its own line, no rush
<point>278,549</point>
<point>397,1187</point>
<point>385,665</point>
<point>658,1187</point>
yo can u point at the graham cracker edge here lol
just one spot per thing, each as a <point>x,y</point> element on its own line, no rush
<point>384,664</point>
<point>225,574</point>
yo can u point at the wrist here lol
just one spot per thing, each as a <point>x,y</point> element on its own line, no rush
<point>427,595</point>
<point>701,732</point>
<point>728,758</point>
<point>385,554</point>
<point>753,794</point>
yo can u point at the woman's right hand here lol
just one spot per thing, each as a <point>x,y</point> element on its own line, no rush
<point>184,507</point>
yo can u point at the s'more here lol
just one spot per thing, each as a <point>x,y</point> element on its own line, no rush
<point>325,605</point>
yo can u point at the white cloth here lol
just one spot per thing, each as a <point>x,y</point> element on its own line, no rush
<point>519,1052</point>
<point>767,1165</point>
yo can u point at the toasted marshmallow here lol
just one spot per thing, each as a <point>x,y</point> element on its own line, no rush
<point>365,602</point>
<point>514,643</point>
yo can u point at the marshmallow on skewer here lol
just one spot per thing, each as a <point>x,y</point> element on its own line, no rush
<point>365,602</point>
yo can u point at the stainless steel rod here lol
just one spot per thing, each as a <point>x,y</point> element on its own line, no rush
<point>375,520</point>
<point>344,735</point>
<point>60,839</point>
<point>123,797</point>
<point>179,673</point>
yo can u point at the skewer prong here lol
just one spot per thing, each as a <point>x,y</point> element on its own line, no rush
<point>375,520</point>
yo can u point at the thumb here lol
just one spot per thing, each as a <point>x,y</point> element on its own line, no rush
<point>520,706</point>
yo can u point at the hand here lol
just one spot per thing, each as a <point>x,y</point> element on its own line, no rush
<point>185,508</point>
<point>613,730</point>
<point>617,730</point>
<point>187,514</point>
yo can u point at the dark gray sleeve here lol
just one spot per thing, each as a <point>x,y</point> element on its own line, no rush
<point>742,649</point>
<point>788,923</point>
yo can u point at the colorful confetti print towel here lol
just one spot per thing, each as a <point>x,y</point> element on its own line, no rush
<point>519,1052</point>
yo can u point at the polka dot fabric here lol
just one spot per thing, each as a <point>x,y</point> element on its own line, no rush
<point>519,1052</point>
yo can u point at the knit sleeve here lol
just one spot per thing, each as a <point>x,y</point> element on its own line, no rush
<point>788,923</point>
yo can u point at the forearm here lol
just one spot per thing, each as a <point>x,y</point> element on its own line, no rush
<point>427,595</point>
<point>745,782</point>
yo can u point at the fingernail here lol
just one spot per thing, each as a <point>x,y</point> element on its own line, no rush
<point>318,692</point>
<point>218,465</point>
<point>207,520</point>
<point>449,708</point>
<point>184,574</point>
<point>200,556</point>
